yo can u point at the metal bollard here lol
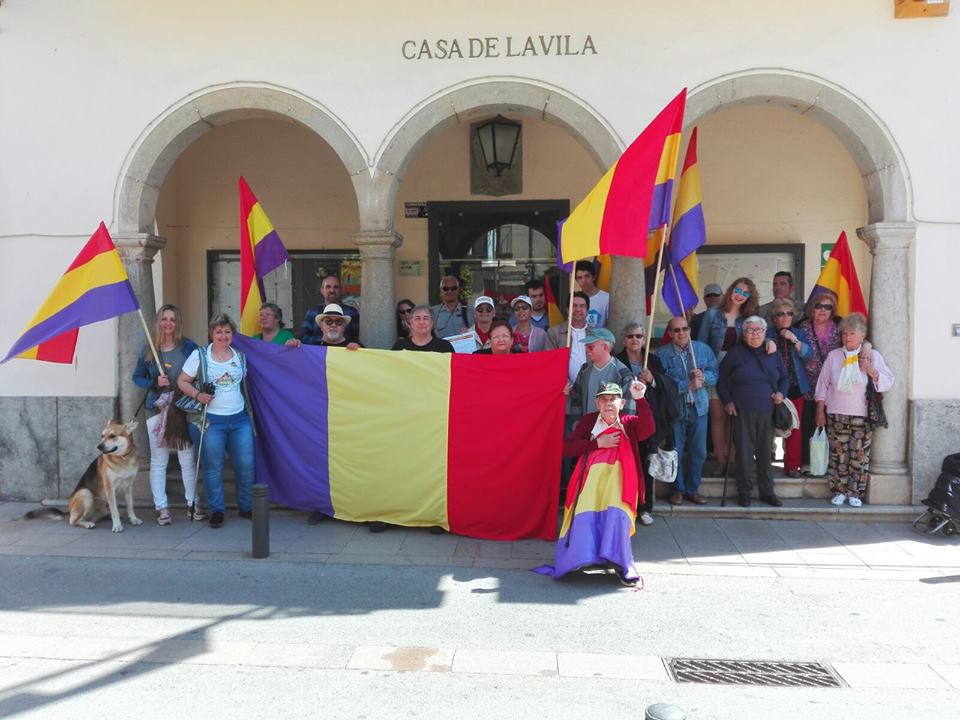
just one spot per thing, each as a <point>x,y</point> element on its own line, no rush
<point>261,521</point>
<point>664,711</point>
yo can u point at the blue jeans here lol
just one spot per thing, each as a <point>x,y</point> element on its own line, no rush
<point>233,434</point>
<point>690,434</point>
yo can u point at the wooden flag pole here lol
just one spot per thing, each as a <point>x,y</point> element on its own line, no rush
<point>673,274</point>
<point>153,349</point>
<point>570,308</point>
<point>656,291</point>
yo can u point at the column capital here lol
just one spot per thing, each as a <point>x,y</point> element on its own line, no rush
<point>888,236</point>
<point>138,247</point>
<point>372,238</point>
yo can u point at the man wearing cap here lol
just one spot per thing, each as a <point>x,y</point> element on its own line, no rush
<point>451,316</point>
<point>539,316</point>
<point>601,504</point>
<point>601,367</point>
<point>693,367</point>
<point>483,311</point>
<point>712,294</point>
<point>311,332</point>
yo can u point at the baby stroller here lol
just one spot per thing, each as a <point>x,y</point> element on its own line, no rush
<point>943,502</point>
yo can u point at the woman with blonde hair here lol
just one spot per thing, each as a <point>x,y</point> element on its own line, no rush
<point>167,429</point>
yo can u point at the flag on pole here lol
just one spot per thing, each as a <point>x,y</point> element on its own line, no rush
<point>654,242</point>
<point>611,218</point>
<point>261,251</point>
<point>554,315</point>
<point>839,276</point>
<point>95,287</point>
<point>605,273</point>
<point>688,233</point>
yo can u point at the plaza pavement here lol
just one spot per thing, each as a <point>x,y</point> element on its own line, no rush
<point>338,601</point>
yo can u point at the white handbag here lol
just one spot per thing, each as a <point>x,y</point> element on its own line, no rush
<point>819,452</point>
<point>663,465</point>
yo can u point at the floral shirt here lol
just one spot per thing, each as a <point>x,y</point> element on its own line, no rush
<point>822,346</point>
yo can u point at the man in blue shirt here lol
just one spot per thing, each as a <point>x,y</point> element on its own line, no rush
<point>693,366</point>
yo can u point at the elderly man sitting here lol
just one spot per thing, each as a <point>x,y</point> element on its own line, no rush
<point>601,502</point>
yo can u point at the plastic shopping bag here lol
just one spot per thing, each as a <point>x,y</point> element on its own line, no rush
<point>819,452</point>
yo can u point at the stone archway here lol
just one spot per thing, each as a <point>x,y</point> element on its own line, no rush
<point>154,153</point>
<point>889,234</point>
<point>481,98</point>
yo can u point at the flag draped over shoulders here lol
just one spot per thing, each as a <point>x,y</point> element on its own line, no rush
<point>261,251</point>
<point>95,287</point>
<point>632,197</point>
<point>411,438</point>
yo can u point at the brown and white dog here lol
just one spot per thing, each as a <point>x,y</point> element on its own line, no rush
<point>112,473</point>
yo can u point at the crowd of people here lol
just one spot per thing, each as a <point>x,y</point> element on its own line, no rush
<point>714,380</point>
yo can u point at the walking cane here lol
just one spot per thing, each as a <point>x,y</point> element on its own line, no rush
<point>203,427</point>
<point>726,467</point>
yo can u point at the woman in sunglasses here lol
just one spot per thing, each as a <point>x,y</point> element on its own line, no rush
<point>794,348</point>
<point>404,311</point>
<point>720,329</point>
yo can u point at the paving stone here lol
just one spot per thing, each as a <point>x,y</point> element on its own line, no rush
<point>891,675</point>
<point>628,667</point>
<point>401,659</point>
<point>502,662</point>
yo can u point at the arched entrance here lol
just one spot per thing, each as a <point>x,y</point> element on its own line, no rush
<point>889,233</point>
<point>155,152</point>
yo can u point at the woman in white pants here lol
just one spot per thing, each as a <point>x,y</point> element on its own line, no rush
<point>167,429</point>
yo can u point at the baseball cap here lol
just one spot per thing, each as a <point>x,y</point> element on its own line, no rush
<point>521,298</point>
<point>609,389</point>
<point>484,300</point>
<point>712,289</point>
<point>595,334</point>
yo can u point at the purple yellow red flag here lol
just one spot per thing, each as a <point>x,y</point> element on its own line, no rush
<point>681,286</point>
<point>261,251</point>
<point>633,196</point>
<point>95,287</point>
<point>839,276</point>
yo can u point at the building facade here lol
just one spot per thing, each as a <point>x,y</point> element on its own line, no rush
<point>352,122</point>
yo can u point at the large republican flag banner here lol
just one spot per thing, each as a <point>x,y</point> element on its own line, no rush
<point>470,443</point>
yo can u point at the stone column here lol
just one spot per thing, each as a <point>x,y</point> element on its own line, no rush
<point>627,294</point>
<point>890,304</point>
<point>378,249</point>
<point>137,251</point>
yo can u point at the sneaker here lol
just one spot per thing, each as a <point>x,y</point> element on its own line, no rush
<point>645,519</point>
<point>316,517</point>
<point>855,502</point>
<point>246,514</point>
<point>839,499</point>
<point>216,519</point>
<point>163,516</point>
<point>194,513</point>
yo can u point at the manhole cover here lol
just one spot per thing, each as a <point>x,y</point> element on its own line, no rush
<point>752,672</point>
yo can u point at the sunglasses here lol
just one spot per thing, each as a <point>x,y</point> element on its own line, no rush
<point>452,288</point>
<point>328,321</point>
<point>520,307</point>
<point>484,309</point>
<point>744,293</point>
<point>823,306</point>
<point>783,313</point>
<point>685,328</point>
<point>634,337</point>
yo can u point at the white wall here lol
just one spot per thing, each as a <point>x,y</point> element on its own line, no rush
<point>91,77</point>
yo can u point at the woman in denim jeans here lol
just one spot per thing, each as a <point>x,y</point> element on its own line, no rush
<point>720,330</point>
<point>228,427</point>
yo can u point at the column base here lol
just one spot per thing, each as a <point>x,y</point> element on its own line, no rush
<point>890,489</point>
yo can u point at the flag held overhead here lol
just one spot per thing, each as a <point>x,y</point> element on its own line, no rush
<point>261,251</point>
<point>95,287</point>
<point>632,197</point>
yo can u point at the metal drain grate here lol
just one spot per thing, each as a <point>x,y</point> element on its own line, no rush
<point>752,672</point>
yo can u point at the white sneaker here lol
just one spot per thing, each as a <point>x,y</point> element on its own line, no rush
<point>645,518</point>
<point>839,499</point>
<point>856,502</point>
